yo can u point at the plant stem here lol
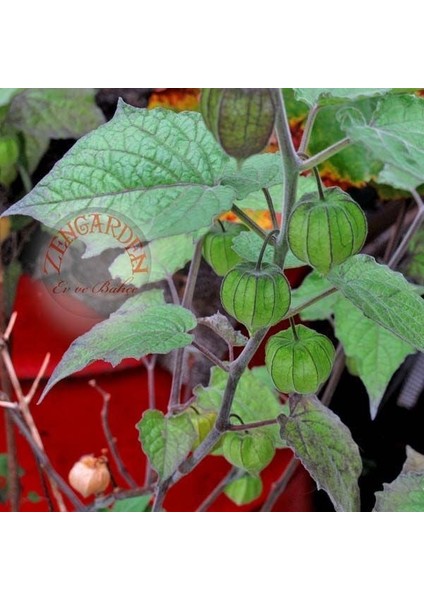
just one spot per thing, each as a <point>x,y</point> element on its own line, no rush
<point>236,370</point>
<point>298,309</point>
<point>413,228</point>
<point>319,183</point>
<point>111,441</point>
<point>264,245</point>
<point>293,328</point>
<point>45,462</point>
<point>271,208</point>
<point>210,356</point>
<point>280,485</point>
<point>254,425</point>
<point>291,164</point>
<point>336,373</point>
<point>303,146</point>
<point>248,221</point>
<point>324,154</point>
<point>217,491</point>
<point>186,303</point>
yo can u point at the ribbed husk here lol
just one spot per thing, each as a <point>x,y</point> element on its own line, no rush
<point>218,247</point>
<point>256,298</point>
<point>299,365</point>
<point>251,451</point>
<point>324,233</point>
<point>241,119</point>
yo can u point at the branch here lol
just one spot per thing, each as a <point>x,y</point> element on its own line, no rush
<point>251,425</point>
<point>303,146</point>
<point>280,485</point>
<point>186,303</point>
<point>413,228</point>
<point>111,441</point>
<point>244,218</point>
<point>44,462</point>
<point>271,208</point>
<point>105,501</point>
<point>291,164</point>
<point>211,356</point>
<point>298,309</point>
<point>308,164</point>
<point>232,475</point>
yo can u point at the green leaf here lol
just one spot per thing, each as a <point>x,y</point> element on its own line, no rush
<point>141,326</point>
<point>256,200</point>
<point>160,167</point>
<point>394,135</point>
<point>313,285</point>
<point>6,95</point>
<point>335,95</point>
<point>325,447</point>
<point>254,399</point>
<point>35,148</point>
<point>414,266</point>
<point>248,246</point>
<point>55,113</point>
<point>383,296</point>
<point>166,440</point>
<point>137,504</point>
<point>221,326</point>
<point>244,490</point>
<point>257,172</point>
<point>167,255</point>
<point>406,492</point>
<point>353,164</point>
<point>376,352</point>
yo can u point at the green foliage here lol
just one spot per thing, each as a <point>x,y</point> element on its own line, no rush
<point>255,173</point>
<point>376,352</point>
<point>37,115</point>
<point>406,492</point>
<point>394,135</point>
<point>414,267</point>
<point>383,296</point>
<point>326,449</point>
<point>248,246</point>
<point>313,285</point>
<point>254,399</point>
<point>166,440</point>
<point>335,95</point>
<point>244,490</point>
<point>355,163</point>
<point>143,325</point>
<point>161,167</point>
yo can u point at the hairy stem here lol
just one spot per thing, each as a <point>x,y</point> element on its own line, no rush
<point>248,221</point>
<point>271,208</point>
<point>186,303</point>
<point>325,154</point>
<point>236,370</point>
<point>303,146</point>
<point>280,485</point>
<point>290,162</point>
<point>232,475</point>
